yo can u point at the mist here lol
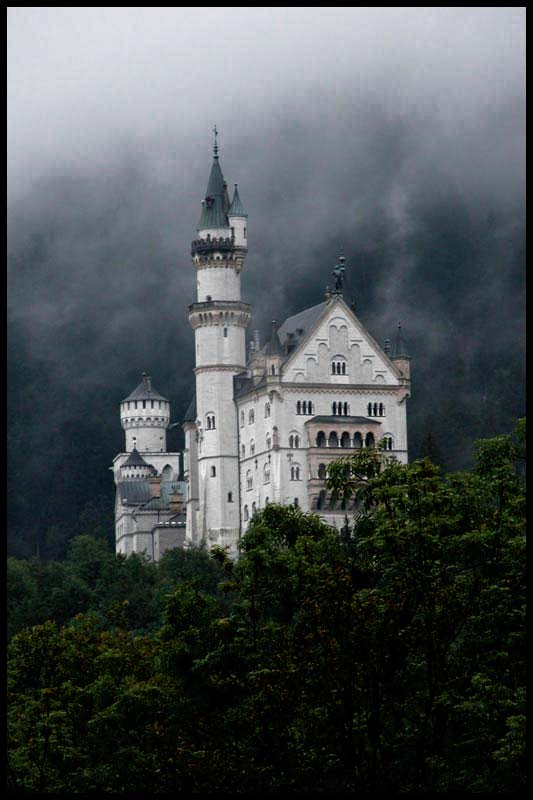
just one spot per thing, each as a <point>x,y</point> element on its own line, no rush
<point>393,136</point>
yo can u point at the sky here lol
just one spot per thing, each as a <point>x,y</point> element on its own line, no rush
<point>395,136</point>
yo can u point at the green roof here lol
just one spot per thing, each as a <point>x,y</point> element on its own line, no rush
<point>237,208</point>
<point>216,203</point>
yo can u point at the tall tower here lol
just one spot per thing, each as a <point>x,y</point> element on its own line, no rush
<point>219,319</point>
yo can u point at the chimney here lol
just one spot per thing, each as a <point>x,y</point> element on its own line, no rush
<point>155,486</point>
<point>175,502</point>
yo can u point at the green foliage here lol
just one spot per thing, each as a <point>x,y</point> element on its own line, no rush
<point>388,659</point>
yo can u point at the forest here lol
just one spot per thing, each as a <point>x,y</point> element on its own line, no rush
<point>389,658</point>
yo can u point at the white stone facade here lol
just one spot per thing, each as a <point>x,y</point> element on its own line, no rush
<point>255,433</point>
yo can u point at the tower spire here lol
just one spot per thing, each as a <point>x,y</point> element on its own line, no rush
<point>215,145</point>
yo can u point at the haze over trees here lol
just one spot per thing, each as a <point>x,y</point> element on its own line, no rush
<point>388,659</point>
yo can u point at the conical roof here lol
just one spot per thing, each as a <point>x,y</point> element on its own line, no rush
<point>215,205</point>
<point>237,208</point>
<point>145,391</point>
<point>135,459</point>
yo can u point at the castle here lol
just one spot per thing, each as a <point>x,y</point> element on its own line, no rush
<point>264,425</point>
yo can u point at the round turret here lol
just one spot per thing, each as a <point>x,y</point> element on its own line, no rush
<point>136,468</point>
<point>145,416</point>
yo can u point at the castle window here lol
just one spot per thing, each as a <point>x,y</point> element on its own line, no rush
<point>208,298</point>
<point>245,513</point>
<point>266,473</point>
<point>249,480</point>
<point>333,440</point>
<point>230,497</point>
<point>338,366</point>
<point>245,233</point>
<point>357,440</point>
<point>375,409</point>
<point>346,409</point>
<point>242,418</point>
<point>321,439</point>
<point>298,407</point>
<point>369,440</point>
<point>295,473</point>
<point>267,500</point>
<point>388,443</point>
<point>345,439</point>
<point>252,447</point>
<point>322,472</point>
<point>250,416</point>
<point>254,510</point>
<point>334,408</point>
<point>213,472</point>
<point>136,404</point>
<point>381,410</point>
<point>153,406</point>
<point>267,409</point>
<point>225,333</point>
<point>295,504</point>
<point>233,232</point>
<point>243,451</point>
<point>144,403</point>
<point>369,409</point>
<point>268,442</point>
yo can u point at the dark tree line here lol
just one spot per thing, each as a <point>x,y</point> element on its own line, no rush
<point>387,659</point>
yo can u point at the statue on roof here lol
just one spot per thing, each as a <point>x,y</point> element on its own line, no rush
<point>338,275</point>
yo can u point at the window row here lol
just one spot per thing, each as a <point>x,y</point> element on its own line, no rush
<point>376,410</point>
<point>340,409</point>
<point>251,415</point>
<point>144,402</point>
<point>345,440</point>
<point>254,509</point>
<point>304,407</point>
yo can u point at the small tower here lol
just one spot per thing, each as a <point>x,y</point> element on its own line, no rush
<point>219,319</point>
<point>274,355</point>
<point>145,415</point>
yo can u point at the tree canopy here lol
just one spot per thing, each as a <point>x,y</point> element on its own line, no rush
<point>390,658</point>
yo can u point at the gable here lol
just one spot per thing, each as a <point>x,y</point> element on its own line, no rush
<point>338,336</point>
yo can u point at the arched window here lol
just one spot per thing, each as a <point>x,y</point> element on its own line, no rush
<point>345,409</point>
<point>267,409</point>
<point>387,442</point>
<point>322,472</point>
<point>381,410</point>
<point>338,366</point>
<point>369,409</point>
<point>369,440</point>
<point>254,510</point>
<point>251,416</point>
<point>245,513</point>
<point>249,480</point>
<point>268,442</point>
<point>252,447</point>
<point>292,473</point>
<point>166,474</point>
<point>321,439</point>
<point>345,439</point>
<point>304,407</point>
<point>296,442</point>
<point>334,408</point>
<point>230,497</point>
<point>225,333</point>
<point>333,440</point>
<point>213,472</point>
<point>272,370</point>
<point>298,407</point>
<point>291,441</point>
<point>267,500</point>
<point>375,409</point>
<point>266,473</point>
<point>242,418</point>
<point>243,451</point>
<point>357,440</point>
<point>296,504</point>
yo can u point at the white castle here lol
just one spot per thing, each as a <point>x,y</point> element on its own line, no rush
<point>260,429</point>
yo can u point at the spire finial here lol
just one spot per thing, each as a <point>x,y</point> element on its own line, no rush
<point>215,146</point>
<point>338,275</point>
